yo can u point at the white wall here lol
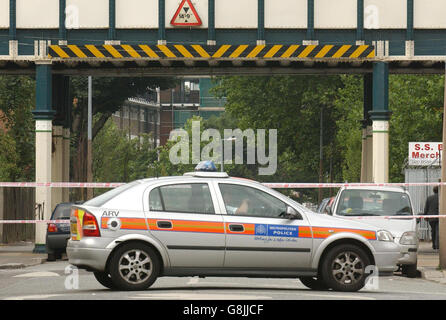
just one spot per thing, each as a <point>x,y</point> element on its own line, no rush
<point>236,14</point>
<point>4,14</point>
<point>201,6</point>
<point>385,14</point>
<point>289,14</point>
<point>429,14</point>
<point>329,14</point>
<point>42,14</point>
<point>339,14</point>
<point>91,13</point>
<point>136,14</point>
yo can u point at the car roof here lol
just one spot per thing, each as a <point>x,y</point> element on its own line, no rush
<point>375,188</point>
<point>190,177</point>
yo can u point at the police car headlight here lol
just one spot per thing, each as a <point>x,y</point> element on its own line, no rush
<point>409,238</point>
<point>384,235</point>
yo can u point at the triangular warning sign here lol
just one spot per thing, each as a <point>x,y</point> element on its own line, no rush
<point>186,15</point>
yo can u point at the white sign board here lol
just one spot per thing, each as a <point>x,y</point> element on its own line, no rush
<point>425,153</point>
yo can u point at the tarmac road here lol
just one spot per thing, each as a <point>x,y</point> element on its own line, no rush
<point>59,281</point>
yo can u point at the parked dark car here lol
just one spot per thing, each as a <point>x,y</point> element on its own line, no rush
<point>58,233</point>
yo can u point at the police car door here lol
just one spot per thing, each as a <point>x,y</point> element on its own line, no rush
<point>182,217</point>
<point>258,235</point>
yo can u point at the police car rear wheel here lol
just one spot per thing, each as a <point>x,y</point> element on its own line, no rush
<point>134,266</point>
<point>343,268</point>
<point>104,279</point>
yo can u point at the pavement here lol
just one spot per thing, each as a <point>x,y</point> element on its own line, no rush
<point>20,255</point>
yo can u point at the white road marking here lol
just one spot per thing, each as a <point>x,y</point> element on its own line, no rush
<point>37,275</point>
<point>32,297</point>
<point>335,296</point>
<point>193,280</point>
<point>198,296</point>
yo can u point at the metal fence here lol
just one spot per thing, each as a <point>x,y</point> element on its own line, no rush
<point>419,194</point>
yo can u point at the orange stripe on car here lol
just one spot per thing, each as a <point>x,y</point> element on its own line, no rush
<point>325,232</point>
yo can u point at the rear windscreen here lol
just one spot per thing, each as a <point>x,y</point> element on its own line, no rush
<point>373,203</point>
<point>62,212</point>
<point>103,198</point>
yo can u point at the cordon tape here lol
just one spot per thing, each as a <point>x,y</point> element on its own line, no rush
<point>353,218</point>
<point>274,185</point>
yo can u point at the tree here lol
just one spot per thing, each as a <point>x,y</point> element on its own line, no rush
<point>292,105</point>
<point>109,95</point>
<point>417,105</point>
<point>349,112</point>
<point>17,141</point>
<point>120,159</point>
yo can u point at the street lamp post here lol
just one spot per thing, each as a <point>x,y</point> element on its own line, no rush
<point>442,192</point>
<point>222,151</point>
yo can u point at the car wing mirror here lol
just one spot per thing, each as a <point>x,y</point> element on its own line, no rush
<point>291,213</point>
<point>329,211</point>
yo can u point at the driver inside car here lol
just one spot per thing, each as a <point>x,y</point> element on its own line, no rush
<point>242,209</point>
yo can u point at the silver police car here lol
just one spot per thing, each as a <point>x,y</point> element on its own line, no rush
<point>210,224</point>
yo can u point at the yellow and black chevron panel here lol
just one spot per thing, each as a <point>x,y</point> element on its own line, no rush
<point>195,51</point>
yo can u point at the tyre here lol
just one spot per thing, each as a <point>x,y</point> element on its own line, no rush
<point>104,279</point>
<point>58,255</point>
<point>410,270</point>
<point>343,268</point>
<point>134,266</point>
<point>314,283</point>
<point>51,256</point>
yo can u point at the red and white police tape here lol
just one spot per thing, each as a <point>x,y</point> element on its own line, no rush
<point>273,185</point>
<point>33,221</point>
<point>355,218</point>
<point>61,184</point>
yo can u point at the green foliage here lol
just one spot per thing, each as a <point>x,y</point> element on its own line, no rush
<point>292,105</point>
<point>17,142</point>
<point>417,105</point>
<point>109,94</point>
<point>163,166</point>
<point>116,158</point>
<point>349,112</point>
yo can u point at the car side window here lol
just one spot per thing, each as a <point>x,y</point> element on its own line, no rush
<point>155,203</point>
<point>248,201</point>
<point>184,198</point>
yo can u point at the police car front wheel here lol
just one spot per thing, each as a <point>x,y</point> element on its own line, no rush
<point>134,266</point>
<point>343,268</point>
<point>314,283</point>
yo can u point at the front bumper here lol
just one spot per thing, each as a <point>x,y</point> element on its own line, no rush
<point>409,254</point>
<point>88,253</point>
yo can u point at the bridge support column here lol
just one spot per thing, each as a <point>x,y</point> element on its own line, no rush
<point>43,115</point>
<point>380,116</point>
